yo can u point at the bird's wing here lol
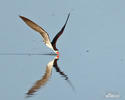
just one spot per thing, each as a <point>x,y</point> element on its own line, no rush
<point>43,80</point>
<point>37,28</point>
<point>59,34</point>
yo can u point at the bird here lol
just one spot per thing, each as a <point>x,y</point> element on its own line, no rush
<point>44,34</point>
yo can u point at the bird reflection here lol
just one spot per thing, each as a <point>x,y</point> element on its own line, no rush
<point>46,76</point>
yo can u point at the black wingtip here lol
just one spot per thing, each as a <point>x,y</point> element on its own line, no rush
<point>68,14</point>
<point>23,18</point>
<point>65,22</point>
<point>67,19</point>
<point>20,16</point>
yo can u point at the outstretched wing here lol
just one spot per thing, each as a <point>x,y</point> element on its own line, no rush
<point>37,28</point>
<point>59,34</point>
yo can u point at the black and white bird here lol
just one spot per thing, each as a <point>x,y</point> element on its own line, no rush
<point>44,34</point>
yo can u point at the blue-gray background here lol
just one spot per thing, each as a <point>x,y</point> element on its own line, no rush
<point>92,48</point>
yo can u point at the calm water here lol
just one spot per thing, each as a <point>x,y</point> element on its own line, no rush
<point>89,76</point>
<point>91,65</point>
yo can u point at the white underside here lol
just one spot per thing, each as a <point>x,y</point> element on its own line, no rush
<point>50,46</point>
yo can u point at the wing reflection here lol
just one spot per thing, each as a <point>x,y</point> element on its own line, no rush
<point>46,76</point>
<point>44,79</point>
<point>55,65</point>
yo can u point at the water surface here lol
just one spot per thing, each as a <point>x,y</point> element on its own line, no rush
<point>92,50</point>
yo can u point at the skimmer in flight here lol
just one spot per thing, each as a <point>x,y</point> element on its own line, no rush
<point>44,34</point>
